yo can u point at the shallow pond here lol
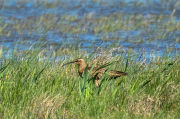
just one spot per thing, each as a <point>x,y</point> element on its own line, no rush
<point>141,25</point>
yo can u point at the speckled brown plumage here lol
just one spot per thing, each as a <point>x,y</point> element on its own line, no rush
<point>112,74</point>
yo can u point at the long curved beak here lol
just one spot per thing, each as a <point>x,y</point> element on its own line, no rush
<point>68,63</point>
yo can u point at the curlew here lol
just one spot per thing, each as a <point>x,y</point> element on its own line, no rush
<point>81,67</point>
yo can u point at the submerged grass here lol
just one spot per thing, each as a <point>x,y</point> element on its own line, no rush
<point>36,87</point>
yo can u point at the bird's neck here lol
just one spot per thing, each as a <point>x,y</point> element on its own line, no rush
<point>81,68</point>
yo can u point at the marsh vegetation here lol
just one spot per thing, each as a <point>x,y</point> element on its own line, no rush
<point>133,36</point>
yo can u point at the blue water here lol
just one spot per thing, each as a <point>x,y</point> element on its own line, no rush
<point>15,11</point>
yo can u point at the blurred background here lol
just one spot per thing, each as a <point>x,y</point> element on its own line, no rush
<point>140,25</point>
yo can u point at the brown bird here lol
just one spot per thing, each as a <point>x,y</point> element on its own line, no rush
<point>112,74</point>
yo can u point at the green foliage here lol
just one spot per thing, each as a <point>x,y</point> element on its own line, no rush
<point>31,88</point>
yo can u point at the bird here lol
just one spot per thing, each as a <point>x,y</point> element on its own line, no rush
<point>82,65</point>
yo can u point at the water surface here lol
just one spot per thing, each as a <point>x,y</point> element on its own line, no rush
<point>146,25</point>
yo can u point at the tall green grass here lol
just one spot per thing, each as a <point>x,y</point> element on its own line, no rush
<point>33,87</point>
